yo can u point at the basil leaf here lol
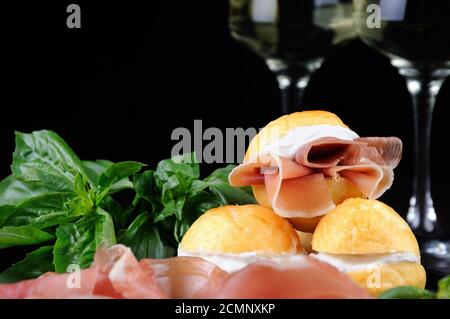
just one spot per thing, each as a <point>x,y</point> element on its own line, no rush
<point>114,173</point>
<point>84,200</point>
<point>407,292</point>
<point>22,235</point>
<point>43,211</point>
<point>194,208</point>
<point>148,196</point>
<point>116,211</point>
<point>36,263</point>
<point>172,206</point>
<point>145,185</point>
<point>229,195</point>
<point>13,191</point>
<point>144,239</point>
<point>75,244</point>
<point>43,156</point>
<point>95,168</point>
<point>184,167</point>
<point>80,186</point>
<point>177,180</point>
<point>105,235</point>
<point>443,288</point>
<point>5,212</point>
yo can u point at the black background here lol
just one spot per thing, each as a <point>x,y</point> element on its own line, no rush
<point>117,87</point>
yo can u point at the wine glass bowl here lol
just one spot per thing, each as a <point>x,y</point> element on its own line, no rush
<point>414,35</point>
<point>416,32</point>
<point>293,36</point>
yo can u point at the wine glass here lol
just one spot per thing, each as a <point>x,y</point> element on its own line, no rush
<point>415,35</point>
<point>293,36</point>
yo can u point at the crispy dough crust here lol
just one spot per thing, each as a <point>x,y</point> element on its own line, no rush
<point>241,229</point>
<point>362,226</point>
<point>385,277</point>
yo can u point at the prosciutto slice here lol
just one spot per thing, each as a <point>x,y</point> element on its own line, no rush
<point>129,279</point>
<point>186,277</point>
<point>323,152</point>
<point>116,273</point>
<point>384,151</point>
<point>296,186</point>
<point>301,277</point>
<point>295,277</point>
<point>53,285</point>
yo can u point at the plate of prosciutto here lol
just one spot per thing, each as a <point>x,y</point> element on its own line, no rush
<point>300,217</point>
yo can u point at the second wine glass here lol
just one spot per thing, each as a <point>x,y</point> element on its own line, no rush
<point>414,35</point>
<point>293,36</point>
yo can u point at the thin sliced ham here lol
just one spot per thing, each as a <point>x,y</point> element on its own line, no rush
<point>313,200</point>
<point>370,178</point>
<point>296,277</point>
<point>129,279</point>
<point>186,277</point>
<point>52,285</point>
<point>116,273</point>
<point>383,151</point>
<point>250,174</point>
<point>296,186</point>
<point>282,188</point>
<point>302,277</point>
<point>323,152</point>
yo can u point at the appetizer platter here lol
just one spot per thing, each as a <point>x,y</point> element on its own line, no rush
<point>301,217</point>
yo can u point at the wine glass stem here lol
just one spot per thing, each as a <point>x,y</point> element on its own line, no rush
<point>292,81</point>
<point>421,214</point>
<point>292,90</point>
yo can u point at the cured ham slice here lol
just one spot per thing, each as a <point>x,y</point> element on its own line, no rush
<point>283,190</point>
<point>129,279</point>
<point>52,285</point>
<point>186,277</point>
<point>383,151</point>
<point>295,276</point>
<point>250,174</point>
<point>306,196</point>
<point>302,277</point>
<point>296,186</point>
<point>115,273</point>
<point>370,178</point>
<point>323,152</point>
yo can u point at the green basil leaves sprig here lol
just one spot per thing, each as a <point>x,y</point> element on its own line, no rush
<point>66,208</point>
<point>56,200</point>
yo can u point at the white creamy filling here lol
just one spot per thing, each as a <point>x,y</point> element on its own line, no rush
<point>236,262</point>
<point>288,145</point>
<point>349,263</point>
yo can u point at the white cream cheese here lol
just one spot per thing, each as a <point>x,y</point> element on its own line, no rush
<point>349,263</point>
<point>288,145</point>
<point>235,262</point>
